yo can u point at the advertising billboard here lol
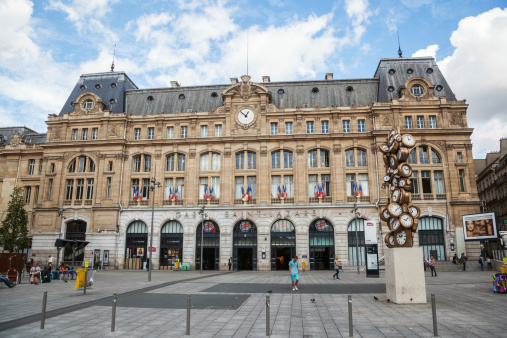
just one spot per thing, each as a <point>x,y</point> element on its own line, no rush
<point>478,227</point>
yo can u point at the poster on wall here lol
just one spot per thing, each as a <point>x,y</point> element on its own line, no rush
<point>478,227</point>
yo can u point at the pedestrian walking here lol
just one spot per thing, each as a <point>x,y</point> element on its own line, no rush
<point>488,261</point>
<point>294,272</point>
<point>481,262</point>
<point>230,263</point>
<point>432,266</point>
<point>336,267</point>
<point>463,260</point>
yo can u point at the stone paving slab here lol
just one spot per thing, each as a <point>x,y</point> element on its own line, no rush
<point>466,307</point>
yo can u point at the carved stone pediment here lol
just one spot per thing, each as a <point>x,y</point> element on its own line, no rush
<point>245,89</point>
<point>16,140</point>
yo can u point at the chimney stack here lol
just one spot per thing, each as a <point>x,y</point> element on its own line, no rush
<point>175,84</point>
<point>234,80</point>
<point>329,76</point>
<point>266,78</point>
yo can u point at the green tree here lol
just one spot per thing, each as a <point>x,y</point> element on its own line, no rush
<point>14,231</point>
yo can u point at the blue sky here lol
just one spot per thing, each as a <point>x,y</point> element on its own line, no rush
<point>46,44</point>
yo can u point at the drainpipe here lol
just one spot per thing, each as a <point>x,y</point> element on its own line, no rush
<point>17,174</point>
<point>119,194</point>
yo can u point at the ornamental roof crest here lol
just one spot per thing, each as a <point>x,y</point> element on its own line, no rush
<point>245,89</point>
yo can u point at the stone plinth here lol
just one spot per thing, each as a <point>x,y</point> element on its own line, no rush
<point>405,283</point>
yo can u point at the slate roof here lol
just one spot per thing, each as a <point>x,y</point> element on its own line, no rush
<point>30,136</point>
<point>109,87</point>
<point>341,92</point>
<point>419,67</point>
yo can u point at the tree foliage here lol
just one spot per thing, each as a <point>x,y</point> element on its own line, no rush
<point>14,231</point>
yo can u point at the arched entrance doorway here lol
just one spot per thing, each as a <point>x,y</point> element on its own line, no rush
<point>283,244</point>
<point>354,252</point>
<point>171,243</point>
<point>321,245</point>
<point>76,231</point>
<point>211,252</point>
<point>431,237</point>
<point>136,245</point>
<point>245,246</point>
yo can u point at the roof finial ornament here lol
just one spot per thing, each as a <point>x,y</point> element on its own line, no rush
<point>114,52</point>
<point>400,53</point>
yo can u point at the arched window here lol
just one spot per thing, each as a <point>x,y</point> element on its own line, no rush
<point>355,158</point>
<point>141,162</point>
<point>283,244</point>
<point>210,161</point>
<point>81,164</point>
<point>172,227</point>
<point>76,230</point>
<point>282,225</point>
<point>355,233</point>
<point>322,251</point>
<point>276,159</point>
<point>250,157</point>
<point>136,244</point>
<point>435,157</point>
<point>175,162</point>
<point>426,181</point>
<point>318,158</point>
<point>171,243</point>
<point>137,227</point>
<point>431,237</point>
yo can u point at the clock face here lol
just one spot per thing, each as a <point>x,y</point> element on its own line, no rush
<point>408,140</point>
<point>246,116</point>
<point>414,211</point>
<point>406,220</point>
<point>396,195</point>
<point>384,148</point>
<point>395,181</point>
<point>395,225</point>
<point>385,214</point>
<point>395,209</point>
<point>405,170</point>
<point>401,237</point>
<point>389,239</point>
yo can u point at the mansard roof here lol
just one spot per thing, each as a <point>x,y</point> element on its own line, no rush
<point>390,75</point>
<point>29,135</point>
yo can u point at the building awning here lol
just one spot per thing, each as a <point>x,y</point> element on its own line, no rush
<point>67,243</point>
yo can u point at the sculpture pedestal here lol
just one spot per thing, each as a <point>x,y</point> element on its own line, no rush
<point>405,281</point>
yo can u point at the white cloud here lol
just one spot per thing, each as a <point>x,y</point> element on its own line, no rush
<point>431,50</point>
<point>476,72</point>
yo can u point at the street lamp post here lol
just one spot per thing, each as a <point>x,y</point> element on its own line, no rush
<point>60,214</point>
<point>357,214</point>
<point>154,184</point>
<point>202,231</point>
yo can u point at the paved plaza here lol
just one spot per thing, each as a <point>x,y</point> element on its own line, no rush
<point>234,305</point>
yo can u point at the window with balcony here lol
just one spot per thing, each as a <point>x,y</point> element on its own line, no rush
<point>439,181</point>
<point>174,188</point>
<point>69,188</point>
<point>426,182</point>
<point>319,185</point>
<point>282,185</point>
<point>79,188</point>
<point>89,188</point>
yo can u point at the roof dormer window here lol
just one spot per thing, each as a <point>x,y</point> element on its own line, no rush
<point>88,104</point>
<point>417,90</point>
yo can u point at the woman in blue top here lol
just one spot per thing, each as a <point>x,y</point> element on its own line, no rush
<point>294,272</point>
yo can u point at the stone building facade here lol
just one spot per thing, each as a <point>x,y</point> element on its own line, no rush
<point>274,164</point>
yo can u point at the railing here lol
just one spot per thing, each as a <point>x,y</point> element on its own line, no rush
<point>313,200</point>
<point>416,197</point>
<point>428,196</point>
<point>364,199</point>
<point>88,202</point>
<point>351,199</point>
<point>440,196</point>
<point>252,201</point>
<point>178,202</point>
<point>78,202</point>
<point>288,200</point>
<point>215,201</point>
<point>145,202</point>
<point>167,202</point>
<point>238,201</point>
<point>276,201</point>
<point>327,199</point>
<point>67,202</point>
<point>132,203</point>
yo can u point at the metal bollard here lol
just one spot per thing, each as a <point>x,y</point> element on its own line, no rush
<point>44,302</point>
<point>113,314</point>
<point>434,311</point>
<point>267,317</point>
<point>86,273</point>
<point>188,315</point>
<point>351,324</point>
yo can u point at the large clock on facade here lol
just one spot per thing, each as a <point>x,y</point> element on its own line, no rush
<point>246,116</point>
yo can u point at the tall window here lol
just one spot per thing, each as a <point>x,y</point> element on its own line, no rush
<point>287,160</point>
<point>184,131</point>
<point>435,157</point>
<point>433,122</point>
<point>79,188</point>
<point>423,155</point>
<point>28,192</point>
<point>108,188</point>
<point>218,130</point>
<point>239,182</point>
<point>426,182</point>
<point>309,127</point>
<point>151,133</point>
<point>282,184</point>
<point>204,131</point>
<point>412,157</point>
<point>346,126</point>
<point>147,163</point>
<point>408,122</point>
<point>360,154</point>
<point>170,132</point>
<point>363,184</point>
<point>31,167</point>
<point>95,133</point>
<point>361,158</point>
<point>252,183</point>
<point>89,188</point>
<point>40,167</point>
<point>439,181</point>
<point>458,157</point>
<point>251,160</point>
<point>85,135</point>
<point>69,186</point>
<point>315,185</point>
<point>171,189</point>
<point>361,126</point>
<point>83,163</point>
<point>325,127</point>
<point>274,128</point>
<point>420,122</point>
<point>415,182</point>
<point>36,197</point>
<point>141,161</point>
<point>351,180</point>
<point>50,188</point>
<point>172,159</point>
<point>137,133</point>
<point>210,160</point>
<point>74,134</point>
<point>288,128</point>
<point>349,158</point>
<point>462,186</point>
<point>318,158</point>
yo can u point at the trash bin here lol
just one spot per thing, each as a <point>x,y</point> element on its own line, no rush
<point>80,279</point>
